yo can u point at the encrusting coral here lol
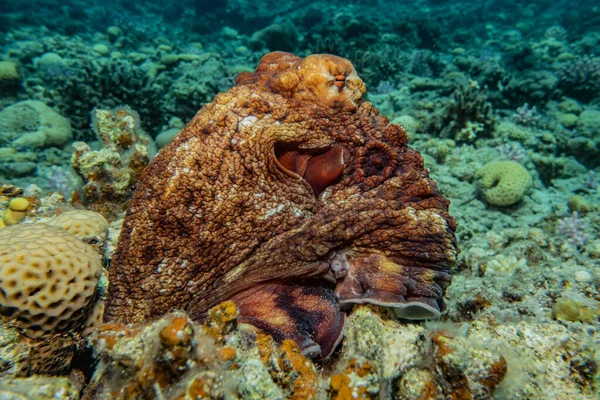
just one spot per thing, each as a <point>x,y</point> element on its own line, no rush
<point>177,358</point>
<point>505,182</point>
<point>290,196</point>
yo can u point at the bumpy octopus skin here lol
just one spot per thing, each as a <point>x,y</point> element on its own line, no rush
<point>292,197</point>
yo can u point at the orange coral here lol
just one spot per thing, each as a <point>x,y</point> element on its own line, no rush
<point>221,319</point>
<point>109,334</point>
<point>294,374</point>
<point>176,339</point>
<point>264,343</point>
<point>344,388</point>
<point>178,332</point>
<point>204,386</point>
<point>227,354</point>
<point>496,373</point>
<point>299,374</point>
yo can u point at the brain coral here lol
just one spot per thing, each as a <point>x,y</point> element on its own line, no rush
<point>292,197</point>
<point>504,182</point>
<point>81,223</point>
<point>47,278</point>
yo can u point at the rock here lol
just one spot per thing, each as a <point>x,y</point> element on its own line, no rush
<point>101,49</point>
<point>165,137</point>
<point>9,75</point>
<point>33,123</point>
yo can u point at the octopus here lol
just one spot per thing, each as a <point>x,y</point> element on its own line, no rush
<point>292,197</point>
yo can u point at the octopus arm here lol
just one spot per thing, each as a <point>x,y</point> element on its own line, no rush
<point>306,313</point>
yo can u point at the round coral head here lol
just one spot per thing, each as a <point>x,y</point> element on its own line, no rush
<point>18,204</point>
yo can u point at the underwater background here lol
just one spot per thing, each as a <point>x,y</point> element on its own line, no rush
<point>501,98</point>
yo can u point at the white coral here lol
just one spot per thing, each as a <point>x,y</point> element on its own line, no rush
<point>505,265</point>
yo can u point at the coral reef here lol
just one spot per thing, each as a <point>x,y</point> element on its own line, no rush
<point>175,357</point>
<point>110,174</point>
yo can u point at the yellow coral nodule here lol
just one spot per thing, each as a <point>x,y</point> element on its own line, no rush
<point>504,183</point>
<point>19,204</point>
<point>16,211</point>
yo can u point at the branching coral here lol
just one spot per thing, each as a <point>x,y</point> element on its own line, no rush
<point>469,109</point>
<point>580,77</point>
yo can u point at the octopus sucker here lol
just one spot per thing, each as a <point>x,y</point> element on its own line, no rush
<point>294,199</point>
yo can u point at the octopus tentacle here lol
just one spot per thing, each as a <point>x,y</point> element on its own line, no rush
<point>305,313</point>
<point>413,292</point>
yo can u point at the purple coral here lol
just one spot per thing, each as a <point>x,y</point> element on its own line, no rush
<point>572,228</point>
<point>512,152</point>
<point>526,116</point>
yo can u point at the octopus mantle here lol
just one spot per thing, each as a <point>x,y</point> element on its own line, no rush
<point>292,197</point>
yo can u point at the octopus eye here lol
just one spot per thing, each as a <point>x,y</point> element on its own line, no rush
<point>340,81</point>
<point>320,169</point>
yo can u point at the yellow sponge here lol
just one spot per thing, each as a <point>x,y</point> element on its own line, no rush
<point>505,182</point>
<point>48,278</point>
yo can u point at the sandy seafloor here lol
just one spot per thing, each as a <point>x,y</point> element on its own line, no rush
<point>473,83</point>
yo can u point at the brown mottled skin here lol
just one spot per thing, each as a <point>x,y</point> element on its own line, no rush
<point>218,214</point>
